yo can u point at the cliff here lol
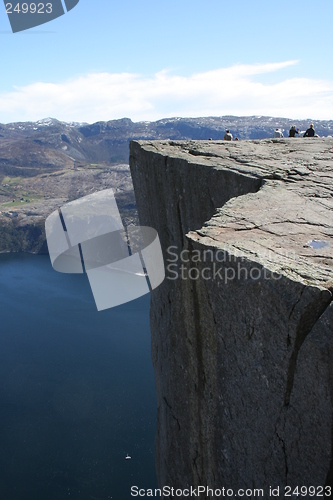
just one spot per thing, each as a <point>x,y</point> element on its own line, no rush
<point>242,326</point>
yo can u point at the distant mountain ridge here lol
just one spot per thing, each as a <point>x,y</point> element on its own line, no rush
<point>38,144</point>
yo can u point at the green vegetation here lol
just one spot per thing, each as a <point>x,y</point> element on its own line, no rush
<point>91,166</point>
<point>19,203</point>
<point>10,187</point>
<point>8,181</point>
<point>24,239</point>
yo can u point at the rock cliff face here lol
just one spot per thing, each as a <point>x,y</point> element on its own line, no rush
<point>242,326</point>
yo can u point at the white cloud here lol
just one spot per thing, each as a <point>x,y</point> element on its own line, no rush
<point>236,90</point>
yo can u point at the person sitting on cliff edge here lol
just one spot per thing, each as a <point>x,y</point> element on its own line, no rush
<point>310,132</point>
<point>277,133</point>
<point>293,131</point>
<point>227,136</point>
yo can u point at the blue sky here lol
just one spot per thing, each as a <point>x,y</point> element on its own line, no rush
<point>147,60</point>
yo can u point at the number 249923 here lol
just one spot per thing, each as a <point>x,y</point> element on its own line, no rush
<point>29,8</point>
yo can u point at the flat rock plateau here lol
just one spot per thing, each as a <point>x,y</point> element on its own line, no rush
<point>242,326</point>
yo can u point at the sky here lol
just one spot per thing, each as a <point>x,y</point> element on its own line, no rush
<point>150,59</point>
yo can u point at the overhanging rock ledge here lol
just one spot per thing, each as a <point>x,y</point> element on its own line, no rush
<point>243,357</point>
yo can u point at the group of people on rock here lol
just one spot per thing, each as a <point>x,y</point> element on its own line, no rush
<point>310,132</point>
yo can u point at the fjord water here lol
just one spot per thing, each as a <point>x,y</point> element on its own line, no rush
<point>76,389</point>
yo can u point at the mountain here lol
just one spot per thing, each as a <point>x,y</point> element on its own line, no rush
<point>50,143</point>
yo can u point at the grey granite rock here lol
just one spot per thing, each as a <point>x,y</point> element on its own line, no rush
<point>242,334</point>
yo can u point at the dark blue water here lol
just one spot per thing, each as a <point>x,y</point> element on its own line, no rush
<point>76,388</point>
